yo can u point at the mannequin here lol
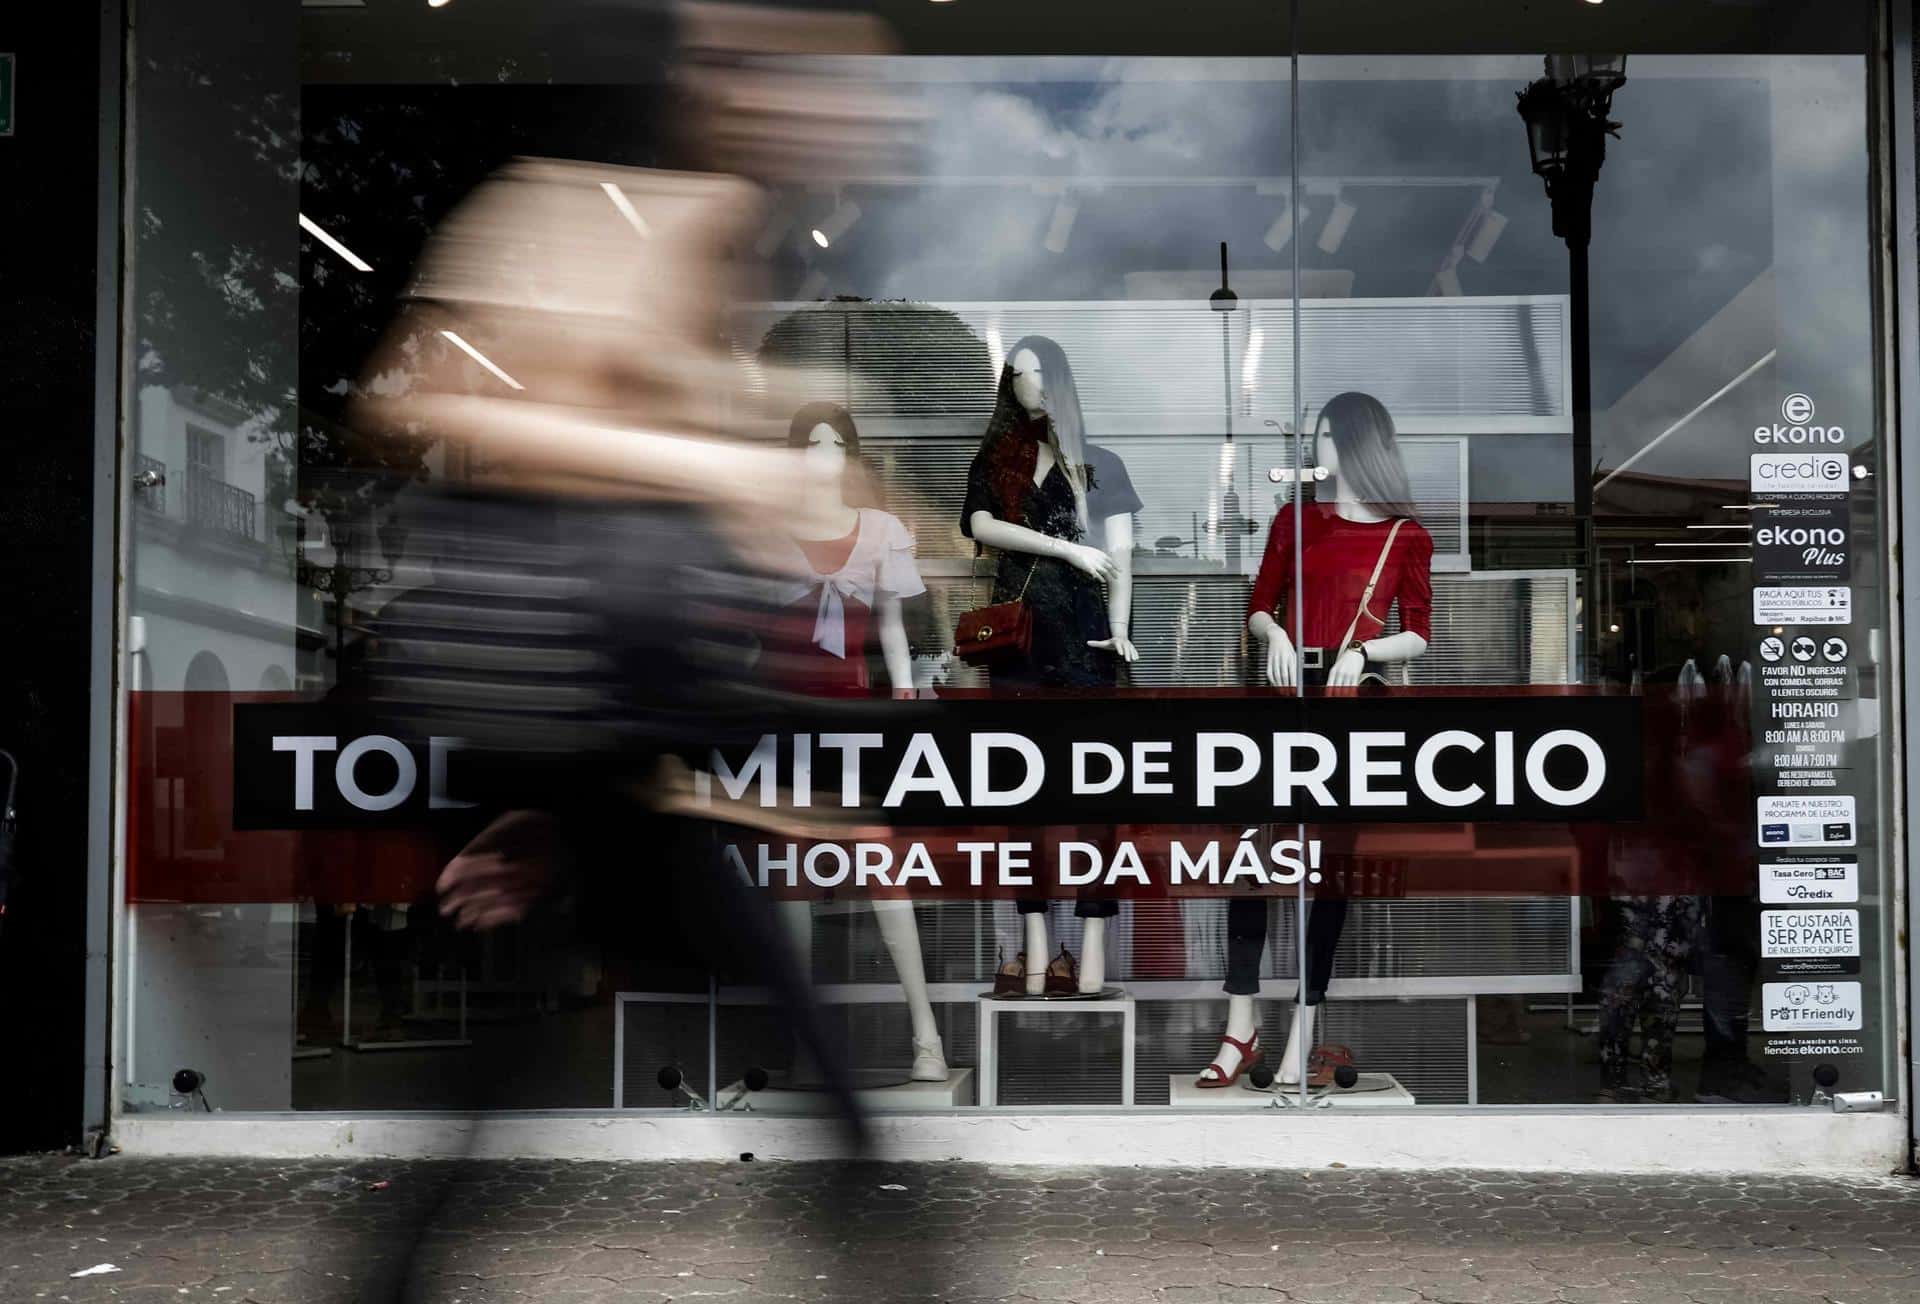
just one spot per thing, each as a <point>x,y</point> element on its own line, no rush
<point>1037,491</point>
<point>853,565</point>
<point>1340,543</point>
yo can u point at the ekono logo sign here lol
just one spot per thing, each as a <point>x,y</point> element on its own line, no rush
<point>1796,412</point>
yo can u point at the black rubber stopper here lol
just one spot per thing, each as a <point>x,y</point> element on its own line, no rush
<point>1261,1076</point>
<point>1826,1075</point>
<point>756,1080</point>
<point>669,1078</point>
<point>1345,1076</point>
<point>188,1081</point>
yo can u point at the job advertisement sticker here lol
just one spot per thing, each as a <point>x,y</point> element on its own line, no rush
<point>1809,883</point>
<point>1805,821</point>
<point>1809,934</point>
<point>1802,604</point>
<point>1811,1006</point>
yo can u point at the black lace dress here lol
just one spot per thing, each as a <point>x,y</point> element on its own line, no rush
<point>1069,606</point>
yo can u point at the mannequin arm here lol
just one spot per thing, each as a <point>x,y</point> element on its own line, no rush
<point>1395,648</point>
<point>1281,663</point>
<point>1008,537</point>
<point>1119,537</point>
<point>893,645</point>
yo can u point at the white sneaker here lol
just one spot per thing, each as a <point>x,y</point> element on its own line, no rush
<point>929,1061</point>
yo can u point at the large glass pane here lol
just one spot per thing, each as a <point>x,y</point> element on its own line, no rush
<point>1626,339</point>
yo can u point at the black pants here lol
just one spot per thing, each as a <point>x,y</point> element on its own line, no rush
<point>1247,943</point>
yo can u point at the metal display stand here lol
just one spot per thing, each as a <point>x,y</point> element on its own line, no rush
<point>406,1043</point>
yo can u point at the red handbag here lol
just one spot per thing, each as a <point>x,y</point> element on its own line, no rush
<point>998,635</point>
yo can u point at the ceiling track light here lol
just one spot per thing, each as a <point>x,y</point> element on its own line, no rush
<point>1337,223</point>
<point>1060,226</point>
<point>836,224</point>
<point>1283,226</point>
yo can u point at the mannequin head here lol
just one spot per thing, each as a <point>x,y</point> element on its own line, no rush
<point>1354,440</point>
<point>1037,382</point>
<point>829,445</point>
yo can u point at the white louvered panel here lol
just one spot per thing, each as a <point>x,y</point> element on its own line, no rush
<point>924,483</point>
<point>918,360</point>
<point>1190,631</point>
<point>1439,364</point>
<point>809,345</point>
<point>1437,471</point>
<point>1497,627</point>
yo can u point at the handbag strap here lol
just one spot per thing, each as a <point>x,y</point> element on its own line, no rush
<point>1022,595</point>
<point>1372,580</point>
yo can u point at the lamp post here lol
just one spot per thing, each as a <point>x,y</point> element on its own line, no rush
<point>1567,128</point>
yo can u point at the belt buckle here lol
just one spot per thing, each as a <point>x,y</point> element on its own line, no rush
<point>1313,658</point>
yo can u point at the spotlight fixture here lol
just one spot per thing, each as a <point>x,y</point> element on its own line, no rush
<point>438,4</point>
<point>1282,229</point>
<point>1060,228</point>
<point>837,223</point>
<point>1336,228</point>
<point>1486,231</point>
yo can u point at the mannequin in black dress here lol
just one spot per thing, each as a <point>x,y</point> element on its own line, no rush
<point>1037,491</point>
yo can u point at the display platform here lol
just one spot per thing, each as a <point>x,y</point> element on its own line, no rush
<point>1371,1091</point>
<point>1108,993</point>
<point>903,1097</point>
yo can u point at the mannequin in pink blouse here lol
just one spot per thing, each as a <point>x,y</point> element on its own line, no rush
<point>851,567</point>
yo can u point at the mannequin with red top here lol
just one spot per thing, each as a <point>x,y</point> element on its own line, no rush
<point>848,567</point>
<point>1338,544</point>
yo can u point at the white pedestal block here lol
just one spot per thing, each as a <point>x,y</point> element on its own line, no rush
<point>1111,1000</point>
<point>906,1097</point>
<point>1372,1091</point>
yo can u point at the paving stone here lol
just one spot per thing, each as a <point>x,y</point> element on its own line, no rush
<point>579,1233</point>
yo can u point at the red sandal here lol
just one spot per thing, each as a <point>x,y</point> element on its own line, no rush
<point>1249,1056</point>
<point>1322,1060</point>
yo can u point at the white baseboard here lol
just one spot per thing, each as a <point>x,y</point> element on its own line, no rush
<point>1613,1140</point>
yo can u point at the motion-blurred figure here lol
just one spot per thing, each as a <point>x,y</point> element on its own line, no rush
<point>598,554</point>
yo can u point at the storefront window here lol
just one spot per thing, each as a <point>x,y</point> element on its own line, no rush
<point>1302,390</point>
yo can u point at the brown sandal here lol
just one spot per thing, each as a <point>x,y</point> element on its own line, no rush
<point>1063,975</point>
<point>1322,1060</point>
<point>1010,979</point>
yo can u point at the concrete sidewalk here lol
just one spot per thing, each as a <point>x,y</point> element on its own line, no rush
<point>559,1232</point>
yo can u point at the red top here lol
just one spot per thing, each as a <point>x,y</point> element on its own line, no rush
<point>829,556</point>
<point>1338,556</point>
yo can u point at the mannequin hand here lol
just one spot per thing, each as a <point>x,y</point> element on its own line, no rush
<point>1283,666</point>
<point>1089,560</point>
<point>1347,670</point>
<point>1120,645</point>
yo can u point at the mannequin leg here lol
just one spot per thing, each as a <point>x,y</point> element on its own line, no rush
<point>1326,918</point>
<point>1246,943</point>
<point>1299,1038</point>
<point>902,936</point>
<point>796,920</point>
<point>1093,954</point>
<point>1035,927</point>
